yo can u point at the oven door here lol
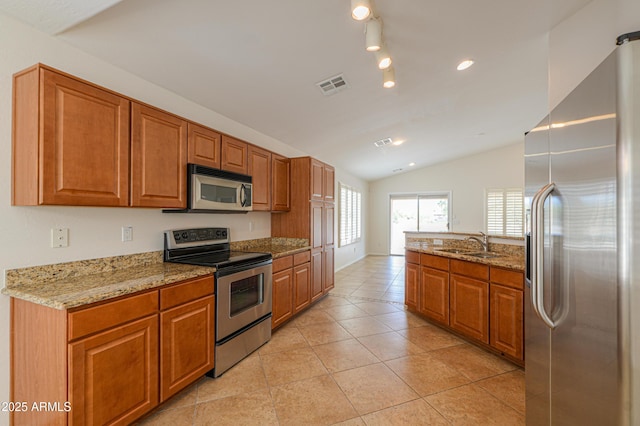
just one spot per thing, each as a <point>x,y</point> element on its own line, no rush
<point>242,297</point>
<point>213,193</point>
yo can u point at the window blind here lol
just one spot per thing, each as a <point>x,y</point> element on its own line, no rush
<point>350,215</point>
<point>505,212</point>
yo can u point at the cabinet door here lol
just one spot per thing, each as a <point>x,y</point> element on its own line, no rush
<point>158,158</point>
<point>301,287</point>
<point>282,297</point>
<point>84,145</point>
<point>317,180</point>
<point>281,187</point>
<point>469,307</point>
<point>411,285</point>
<point>234,155</point>
<point>114,374</point>
<point>316,274</point>
<point>434,294</point>
<point>204,146</point>
<point>327,260</point>
<point>328,223</point>
<point>317,225</point>
<point>186,342</point>
<point>329,184</point>
<point>506,323</point>
<point>260,171</point>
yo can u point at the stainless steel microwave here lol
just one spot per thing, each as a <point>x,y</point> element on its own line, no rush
<point>218,190</point>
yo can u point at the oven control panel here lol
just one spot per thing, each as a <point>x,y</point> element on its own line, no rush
<point>196,237</point>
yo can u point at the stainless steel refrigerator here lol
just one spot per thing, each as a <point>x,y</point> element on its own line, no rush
<point>582,307</point>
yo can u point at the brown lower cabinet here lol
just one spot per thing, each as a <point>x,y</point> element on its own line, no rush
<point>481,302</point>
<point>112,361</point>
<point>291,286</point>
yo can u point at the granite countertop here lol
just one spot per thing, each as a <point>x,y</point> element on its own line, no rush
<point>278,247</point>
<point>73,284</point>
<point>506,260</point>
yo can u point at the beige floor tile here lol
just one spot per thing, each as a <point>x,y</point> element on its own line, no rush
<point>187,397</point>
<point>378,308</point>
<point>324,333</point>
<point>345,312</point>
<point>390,345</point>
<point>414,413</point>
<point>255,408</point>
<point>291,366</point>
<point>473,362</point>
<point>315,401</point>
<point>471,405</point>
<point>426,375</point>
<point>507,387</point>
<point>285,338</point>
<point>343,355</point>
<point>359,327</point>
<point>373,387</point>
<point>392,297</point>
<point>356,421</point>
<point>312,317</point>
<point>329,302</point>
<point>430,337</point>
<point>369,294</point>
<point>401,320</point>
<point>177,417</point>
<point>342,291</point>
<point>246,376</point>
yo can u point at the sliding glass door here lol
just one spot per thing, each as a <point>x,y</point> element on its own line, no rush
<point>417,212</point>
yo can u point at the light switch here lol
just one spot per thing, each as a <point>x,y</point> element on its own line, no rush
<point>127,233</point>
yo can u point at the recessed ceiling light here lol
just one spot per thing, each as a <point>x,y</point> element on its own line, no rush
<point>398,142</point>
<point>464,65</point>
<point>412,164</point>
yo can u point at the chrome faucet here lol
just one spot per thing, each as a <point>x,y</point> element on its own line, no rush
<point>484,241</point>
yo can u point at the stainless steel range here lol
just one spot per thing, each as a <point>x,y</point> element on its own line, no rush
<point>243,290</point>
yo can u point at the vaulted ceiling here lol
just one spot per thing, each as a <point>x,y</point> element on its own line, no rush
<point>258,62</point>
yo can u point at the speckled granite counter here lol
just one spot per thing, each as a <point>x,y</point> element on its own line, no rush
<point>278,247</point>
<point>511,257</point>
<point>72,284</point>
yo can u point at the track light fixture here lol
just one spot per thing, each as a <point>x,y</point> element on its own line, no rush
<point>383,59</point>
<point>388,78</point>
<point>373,34</point>
<point>360,9</point>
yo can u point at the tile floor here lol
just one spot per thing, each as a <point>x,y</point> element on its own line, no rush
<point>357,358</point>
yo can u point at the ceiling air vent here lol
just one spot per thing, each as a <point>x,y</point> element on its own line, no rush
<point>383,142</point>
<point>333,85</point>
<point>396,170</point>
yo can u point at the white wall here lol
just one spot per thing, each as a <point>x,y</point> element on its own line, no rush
<point>351,253</point>
<point>466,178</point>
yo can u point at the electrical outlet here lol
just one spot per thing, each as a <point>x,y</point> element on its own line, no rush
<point>437,242</point>
<point>127,233</point>
<point>59,237</point>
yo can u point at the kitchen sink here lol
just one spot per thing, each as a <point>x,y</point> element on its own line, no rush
<point>484,255</point>
<point>453,250</point>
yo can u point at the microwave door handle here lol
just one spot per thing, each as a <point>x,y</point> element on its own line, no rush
<point>243,195</point>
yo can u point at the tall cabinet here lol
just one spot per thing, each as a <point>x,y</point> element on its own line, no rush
<point>312,216</point>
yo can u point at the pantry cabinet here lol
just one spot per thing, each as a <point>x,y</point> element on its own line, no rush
<point>70,142</point>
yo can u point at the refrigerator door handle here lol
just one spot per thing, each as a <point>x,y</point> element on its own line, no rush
<point>537,253</point>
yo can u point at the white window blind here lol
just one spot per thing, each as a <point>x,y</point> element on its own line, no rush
<point>505,212</point>
<point>350,215</point>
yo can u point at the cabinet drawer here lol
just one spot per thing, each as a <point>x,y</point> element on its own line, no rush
<point>514,279</point>
<point>300,258</point>
<point>186,291</point>
<point>282,263</point>
<point>102,317</point>
<point>470,269</point>
<point>412,257</point>
<point>436,262</point>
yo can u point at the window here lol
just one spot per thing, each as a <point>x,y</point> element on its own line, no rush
<point>350,215</point>
<point>505,212</point>
<point>417,212</point>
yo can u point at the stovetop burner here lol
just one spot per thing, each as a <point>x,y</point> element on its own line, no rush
<point>206,247</point>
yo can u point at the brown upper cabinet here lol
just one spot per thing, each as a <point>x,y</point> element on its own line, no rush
<point>70,142</point>
<point>234,155</point>
<point>158,158</point>
<point>322,181</point>
<point>260,170</point>
<point>204,146</point>
<point>281,185</point>
<point>329,177</point>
